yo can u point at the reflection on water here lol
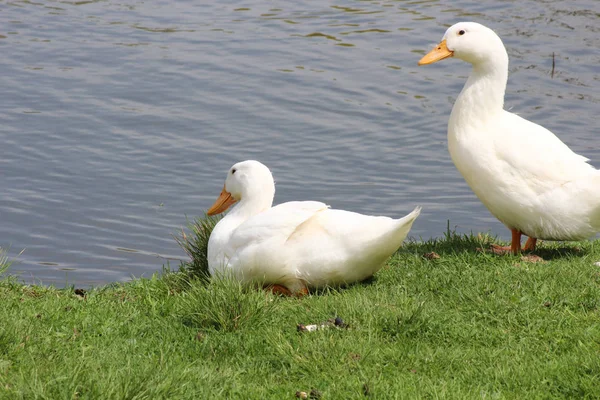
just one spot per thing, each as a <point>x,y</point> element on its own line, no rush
<point>119,119</point>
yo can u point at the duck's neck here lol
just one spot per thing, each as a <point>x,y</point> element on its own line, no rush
<point>482,97</point>
<point>246,208</point>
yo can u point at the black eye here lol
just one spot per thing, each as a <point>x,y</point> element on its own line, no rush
<point>461,32</point>
<point>233,171</point>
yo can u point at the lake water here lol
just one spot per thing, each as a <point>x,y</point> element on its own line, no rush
<point>121,118</point>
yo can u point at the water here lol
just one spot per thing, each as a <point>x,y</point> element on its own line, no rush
<point>119,119</point>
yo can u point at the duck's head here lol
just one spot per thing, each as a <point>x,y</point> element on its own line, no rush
<point>249,181</point>
<point>468,41</point>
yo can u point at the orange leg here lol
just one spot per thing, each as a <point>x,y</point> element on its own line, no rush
<point>530,244</point>
<point>515,244</point>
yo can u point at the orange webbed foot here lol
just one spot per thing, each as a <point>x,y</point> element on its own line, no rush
<point>515,244</point>
<point>284,291</point>
<point>278,290</point>
<point>500,250</point>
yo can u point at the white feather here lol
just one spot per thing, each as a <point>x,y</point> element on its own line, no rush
<point>300,243</point>
<point>525,175</point>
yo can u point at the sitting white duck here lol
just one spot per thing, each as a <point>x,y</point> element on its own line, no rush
<point>526,176</point>
<point>296,245</point>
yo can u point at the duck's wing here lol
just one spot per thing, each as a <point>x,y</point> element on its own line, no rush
<point>535,153</point>
<point>278,223</point>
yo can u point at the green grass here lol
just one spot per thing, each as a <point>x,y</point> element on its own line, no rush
<point>466,325</point>
<point>195,244</point>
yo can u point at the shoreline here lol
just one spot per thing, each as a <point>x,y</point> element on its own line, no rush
<point>440,319</point>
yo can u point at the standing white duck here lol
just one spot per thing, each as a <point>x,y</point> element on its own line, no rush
<point>295,245</point>
<point>526,176</point>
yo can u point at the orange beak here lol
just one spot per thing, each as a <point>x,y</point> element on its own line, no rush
<point>440,52</point>
<point>223,202</point>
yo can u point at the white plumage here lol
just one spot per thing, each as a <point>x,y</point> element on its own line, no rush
<point>525,175</point>
<point>298,244</point>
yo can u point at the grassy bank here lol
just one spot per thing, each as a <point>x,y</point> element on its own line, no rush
<point>455,324</point>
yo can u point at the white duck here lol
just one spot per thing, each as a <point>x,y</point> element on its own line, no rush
<point>526,176</point>
<point>299,244</point>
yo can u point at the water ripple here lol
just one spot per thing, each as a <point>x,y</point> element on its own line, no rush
<point>119,119</point>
